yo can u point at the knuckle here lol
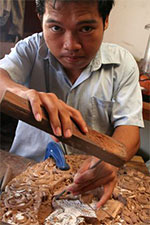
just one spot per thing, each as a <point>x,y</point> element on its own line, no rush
<point>32,96</point>
<point>31,92</point>
<point>64,113</point>
<point>64,107</point>
<point>33,100</point>
<point>76,113</point>
<point>52,96</point>
<point>62,102</point>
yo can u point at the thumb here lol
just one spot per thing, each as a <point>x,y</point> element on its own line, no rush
<point>108,190</point>
<point>103,199</point>
<point>84,172</point>
<point>85,166</point>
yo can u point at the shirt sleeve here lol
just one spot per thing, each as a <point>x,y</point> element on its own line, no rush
<point>20,61</point>
<point>127,107</point>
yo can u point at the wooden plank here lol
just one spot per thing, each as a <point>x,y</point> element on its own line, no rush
<point>17,163</point>
<point>3,223</point>
<point>110,210</point>
<point>7,177</point>
<point>93,143</point>
<point>138,163</point>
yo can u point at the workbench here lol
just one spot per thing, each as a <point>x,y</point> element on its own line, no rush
<point>19,164</point>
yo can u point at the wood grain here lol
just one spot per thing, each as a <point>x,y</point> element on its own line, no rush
<point>3,223</point>
<point>17,163</point>
<point>93,143</point>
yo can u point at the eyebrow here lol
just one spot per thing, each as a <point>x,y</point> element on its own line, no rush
<point>52,21</point>
<point>87,21</point>
<point>79,23</point>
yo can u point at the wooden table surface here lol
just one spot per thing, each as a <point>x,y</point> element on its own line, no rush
<point>3,223</point>
<point>19,164</point>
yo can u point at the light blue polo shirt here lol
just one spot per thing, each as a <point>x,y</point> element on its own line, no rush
<point>107,92</point>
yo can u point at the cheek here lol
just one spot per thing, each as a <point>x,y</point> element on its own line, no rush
<point>47,35</point>
<point>92,45</point>
<point>50,40</point>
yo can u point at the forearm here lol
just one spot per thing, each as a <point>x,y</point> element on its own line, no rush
<point>7,83</point>
<point>60,114</point>
<point>130,137</point>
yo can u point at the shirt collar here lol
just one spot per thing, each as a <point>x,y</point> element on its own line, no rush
<point>43,49</point>
<point>105,55</point>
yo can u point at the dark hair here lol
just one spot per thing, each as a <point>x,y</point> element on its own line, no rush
<point>104,7</point>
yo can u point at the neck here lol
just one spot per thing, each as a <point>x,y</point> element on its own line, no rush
<point>73,75</point>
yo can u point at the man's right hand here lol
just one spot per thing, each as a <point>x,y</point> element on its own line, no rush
<point>60,114</point>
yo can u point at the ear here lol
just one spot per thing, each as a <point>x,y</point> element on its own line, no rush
<point>106,23</point>
<point>38,15</point>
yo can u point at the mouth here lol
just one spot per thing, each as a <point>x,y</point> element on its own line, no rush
<point>70,58</point>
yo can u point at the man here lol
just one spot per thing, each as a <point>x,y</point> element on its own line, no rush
<point>68,69</point>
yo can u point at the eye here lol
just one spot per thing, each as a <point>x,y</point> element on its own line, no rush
<point>86,29</point>
<point>56,28</point>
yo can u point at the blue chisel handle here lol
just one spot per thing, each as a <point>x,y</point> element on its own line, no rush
<point>55,151</point>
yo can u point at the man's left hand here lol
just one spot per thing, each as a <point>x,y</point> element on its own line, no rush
<point>88,179</point>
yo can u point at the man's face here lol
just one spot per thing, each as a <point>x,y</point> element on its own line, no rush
<point>73,32</point>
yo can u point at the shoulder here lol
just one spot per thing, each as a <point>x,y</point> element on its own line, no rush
<point>122,61</point>
<point>27,48</point>
<point>33,41</point>
<point>116,53</point>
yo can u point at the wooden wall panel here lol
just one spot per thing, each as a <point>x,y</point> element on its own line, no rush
<point>31,21</point>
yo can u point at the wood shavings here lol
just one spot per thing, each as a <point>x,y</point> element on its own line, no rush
<point>28,198</point>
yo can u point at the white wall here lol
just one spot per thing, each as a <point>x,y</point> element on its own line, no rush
<point>126,28</point>
<point>126,25</point>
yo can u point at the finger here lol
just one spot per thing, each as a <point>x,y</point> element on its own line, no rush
<point>108,190</point>
<point>50,102</point>
<point>78,119</point>
<point>59,116</point>
<point>98,173</point>
<point>35,103</point>
<point>85,166</point>
<point>84,177</point>
<point>65,118</point>
<point>90,185</point>
<point>67,114</point>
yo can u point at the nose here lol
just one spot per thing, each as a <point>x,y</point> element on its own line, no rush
<point>71,42</point>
